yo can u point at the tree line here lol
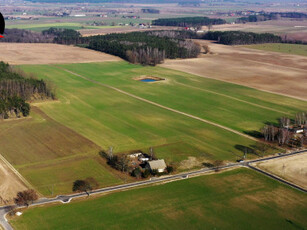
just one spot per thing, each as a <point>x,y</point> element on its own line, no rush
<point>52,35</point>
<point>271,16</point>
<point>25,36</point>
<point>16,88</point>
<point>144,47</point>
<point>188,21</point>
<point>241,38</point>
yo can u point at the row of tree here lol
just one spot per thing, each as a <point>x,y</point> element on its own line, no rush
<point>241,38</point>
<point>188,21</point>
<point>144,47</point>
<point>16,88</point>
<point>271,16</point>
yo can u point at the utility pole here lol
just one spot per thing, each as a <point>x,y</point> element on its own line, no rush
<point>110,152</point>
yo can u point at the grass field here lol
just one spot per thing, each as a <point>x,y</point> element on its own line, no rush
<point>44,26</point>
<point>233,106</point>
<point>282,48</point>
<point>112,119</point>
<point>230,200</point>
<point>38,145</point>
<point>108,118</point>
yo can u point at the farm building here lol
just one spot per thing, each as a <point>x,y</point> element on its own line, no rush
<point>158,165</point>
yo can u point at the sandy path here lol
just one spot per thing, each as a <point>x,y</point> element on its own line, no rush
<point>268,71</point>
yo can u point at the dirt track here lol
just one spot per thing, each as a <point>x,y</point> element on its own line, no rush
<point>268,71</point>
<point>30,53</point>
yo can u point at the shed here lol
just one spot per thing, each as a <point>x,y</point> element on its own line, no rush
<point>156,165</point>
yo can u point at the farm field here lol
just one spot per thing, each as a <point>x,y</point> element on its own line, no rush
<point>121,29</point>
<point>282,48</point>
<point>292,168</point>
<point>229,200</point>
<point>294,29</point>
<point>38,145</point>
<point>30,53</point>
<point>110,118</point>
<point>237,107</point>
<point>268,71</point>
<point>44,26</point>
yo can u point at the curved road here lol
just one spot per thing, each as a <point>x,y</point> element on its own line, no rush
<point>186,175</point>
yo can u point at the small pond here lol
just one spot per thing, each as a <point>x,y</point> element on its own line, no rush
<point>148,80</point>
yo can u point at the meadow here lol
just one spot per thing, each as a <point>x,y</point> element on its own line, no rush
<point>109,118</point>
<point>87,117</point>
<point>38,27</point>
<point>51,156</point>
<point>229,200</point>
<point>282,48</point>
<point>237,107</point>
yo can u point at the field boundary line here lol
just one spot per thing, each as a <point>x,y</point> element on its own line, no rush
<point>161,106</point>
<point>237,99</point>
<point>11,167</point>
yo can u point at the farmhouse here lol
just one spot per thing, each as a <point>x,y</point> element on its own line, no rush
<point>158,165</point>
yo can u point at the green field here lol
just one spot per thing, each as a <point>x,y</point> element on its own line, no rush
<point>282,48</point>
<point>44,26</point>
<point>237,199</point>
<point>87,116</point>
<point>51,156</point>
<point>109,118</point>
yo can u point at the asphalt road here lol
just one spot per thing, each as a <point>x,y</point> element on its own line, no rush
<point>186,175</point>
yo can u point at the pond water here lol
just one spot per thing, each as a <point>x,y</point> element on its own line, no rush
<point>148,80</point>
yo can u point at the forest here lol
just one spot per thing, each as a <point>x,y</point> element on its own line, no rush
<point>63,36</point>
<point>271,16</point>
<point>241,38</point>
<point>16,88</point>
<point>52,35</point>
<point>145,48</point>
<point>25,36</point>
<point>188,21</point>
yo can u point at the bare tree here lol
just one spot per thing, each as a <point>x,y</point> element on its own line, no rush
<point>26,197</point>
<point>284,122</point>
<point>206,49</point>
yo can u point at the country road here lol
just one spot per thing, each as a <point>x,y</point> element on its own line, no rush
<point>186,175</point>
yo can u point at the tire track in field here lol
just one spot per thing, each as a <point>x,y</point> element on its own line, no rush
<point>159,105</point>
<point>233,98</point>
